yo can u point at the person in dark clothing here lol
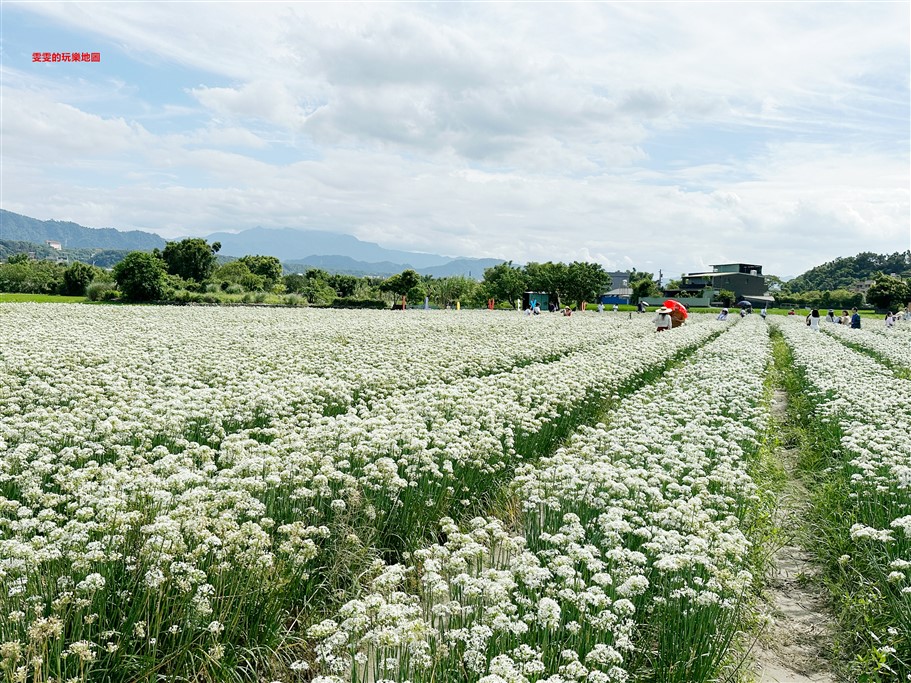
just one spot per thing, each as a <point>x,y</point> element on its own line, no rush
<point>855,320</point>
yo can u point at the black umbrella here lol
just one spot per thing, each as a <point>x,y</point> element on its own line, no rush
<point>745,304</point>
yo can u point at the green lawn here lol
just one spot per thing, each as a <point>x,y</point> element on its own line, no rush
<point>40,298</point>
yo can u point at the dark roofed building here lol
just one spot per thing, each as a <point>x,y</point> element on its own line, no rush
<point>744,279</point>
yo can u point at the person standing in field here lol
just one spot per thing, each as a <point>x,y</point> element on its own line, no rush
<point>830,318</point>
<point>813,320</point>
<point>663,320</point>
<point>764,312</point>
<point>845,319</point>
<point>723,315</point>
<point>890,319</point>
<point>855,320</point>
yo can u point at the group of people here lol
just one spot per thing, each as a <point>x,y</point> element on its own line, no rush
<point>744,312</point>
<point>844,319</point>
<point>534,308</point>
<point>664,319</point>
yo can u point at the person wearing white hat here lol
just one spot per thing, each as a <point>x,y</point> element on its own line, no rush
<point>663,320</point>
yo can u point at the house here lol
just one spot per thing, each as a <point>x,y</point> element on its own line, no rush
<point>620,291</point>
<point>744,279</point>
<point>53,244</point>
<point>619,279</point>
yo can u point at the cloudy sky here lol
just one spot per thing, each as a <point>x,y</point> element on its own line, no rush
<point>654,135</point>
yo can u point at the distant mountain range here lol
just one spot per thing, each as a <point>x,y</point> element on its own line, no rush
<point>14,226</point>
<point>298,249</point>
<point>292,245</point>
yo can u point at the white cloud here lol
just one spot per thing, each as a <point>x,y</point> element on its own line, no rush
<point>515,130</point>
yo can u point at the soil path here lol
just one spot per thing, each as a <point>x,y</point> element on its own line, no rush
<point>792,648</point>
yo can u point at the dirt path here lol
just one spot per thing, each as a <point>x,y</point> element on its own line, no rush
<point>792,648</point>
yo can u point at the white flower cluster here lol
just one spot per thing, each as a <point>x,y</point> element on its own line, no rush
<point>164,470</point>
<point>633,536</point>
<point>893,344</point>
<point>871,409</point>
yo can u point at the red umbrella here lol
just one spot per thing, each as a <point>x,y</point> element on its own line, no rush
<point>676,306</point>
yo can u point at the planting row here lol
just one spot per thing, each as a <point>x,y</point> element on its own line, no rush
<point>144,372</point>
<point>625,555</point>
<point>130,550</point>
<point>861,419</point>
<point>891,344</point>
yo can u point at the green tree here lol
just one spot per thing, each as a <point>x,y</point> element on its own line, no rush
<point>18,258</point>
<point>31,277</point>
<point>77,277</point>
<point>313,284</point>
<point>269,268</point>
<point>344,285</point>
<point>417,294</point>
<point>726,296</point>
<point>774,283</point>
<point>140,276</point>
<point>504,282</point>
<point>295,282</point>
<point>845,271</point>
<point>675,283</point>
<point>448,290</point>
<point>844,298</point>
<point>550,278</point>
<point>585,281</point>
<point>192,258</point>
<point>643,285</point>
<point>889,292</point>
<point>401,284</point>
<point>238,273</point>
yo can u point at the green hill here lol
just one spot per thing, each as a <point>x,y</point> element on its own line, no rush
<point>16,227</point>
<point>844,272</point>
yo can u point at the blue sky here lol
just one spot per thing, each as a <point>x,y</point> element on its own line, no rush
<point>654,135</point>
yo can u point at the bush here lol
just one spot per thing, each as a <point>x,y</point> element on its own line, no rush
<point>31,277</point>
<point>234,289</point>
<point>295,300</point>
<point>77,278</point>
<point>259,297</point>
<point>102,291</point>
<point>351,302</point>
<point>140,276</point>
<point>184,296</point>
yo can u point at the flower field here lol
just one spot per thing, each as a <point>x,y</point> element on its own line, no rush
<point>891,344</point>
<point>300,495</point>
<point>862,421</point>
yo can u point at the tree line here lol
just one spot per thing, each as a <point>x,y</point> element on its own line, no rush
<point>188,271</point>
